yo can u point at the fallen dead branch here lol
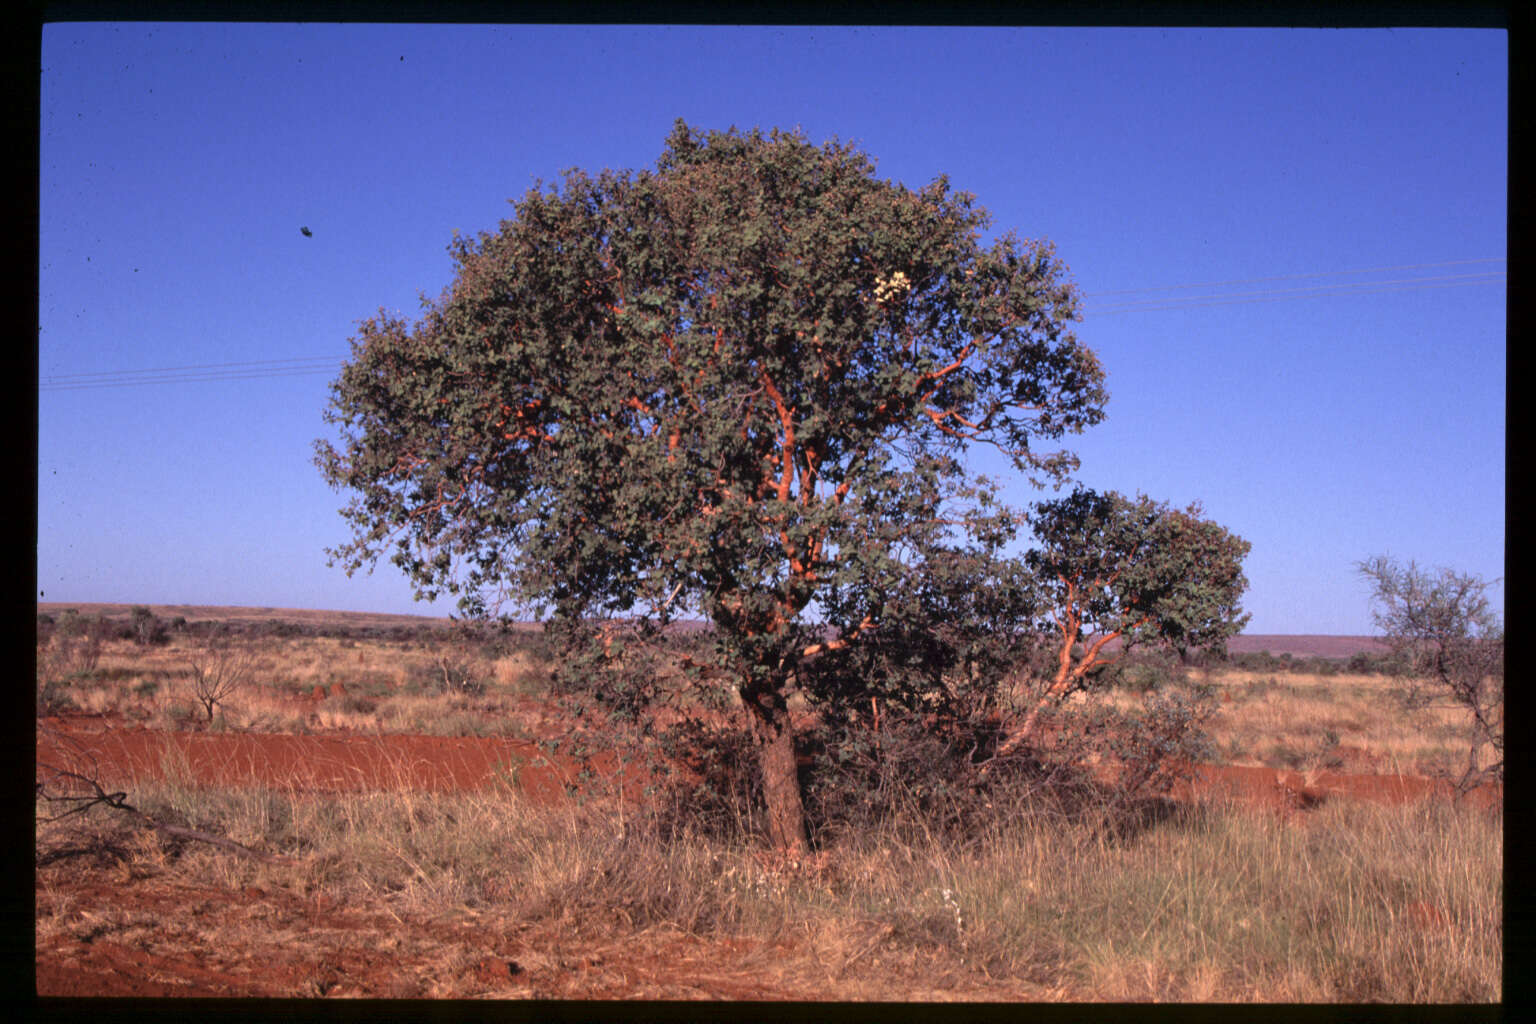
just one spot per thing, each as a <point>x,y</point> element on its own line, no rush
<point>81,790</point>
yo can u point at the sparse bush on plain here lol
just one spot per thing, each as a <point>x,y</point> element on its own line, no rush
<point>219,671</point>
<point>1442,629</point>
<point>449,671</point>
<point>1055,867</point>
<point>53,697</point>
<point>145,628</point>
<point>72,648</point>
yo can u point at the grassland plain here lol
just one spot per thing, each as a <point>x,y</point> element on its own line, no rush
<point>504,888</point>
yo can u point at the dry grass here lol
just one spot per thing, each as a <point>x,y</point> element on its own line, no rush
<point>1212,904</point>
<point>1296,720</point>
<point>381,686</point>
<point>1288,720</point>
<point>1354,902</point>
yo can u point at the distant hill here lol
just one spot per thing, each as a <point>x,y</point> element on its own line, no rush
<point>1305,646</point>
<point>235,613</point>
<point>1297,645</point>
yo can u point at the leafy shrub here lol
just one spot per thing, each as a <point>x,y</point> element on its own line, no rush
<point>711,785</point>
<point>72,649</point>
<point>145,628</point>
<point>921,771</point>
<point>53,697</point>
<point>360,705</point>
<point>451,672</point>
<point>1442,630</point>
<point>909,771</point>
<point>1137,674</point>
<point>1157,745</point>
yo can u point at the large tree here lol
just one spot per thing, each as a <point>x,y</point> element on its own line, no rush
<point>738,385</point>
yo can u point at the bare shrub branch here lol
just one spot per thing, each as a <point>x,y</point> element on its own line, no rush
<point>219,671</point>
<point>1442,630</point>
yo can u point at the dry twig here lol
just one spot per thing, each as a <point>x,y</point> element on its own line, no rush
<point>56,783</point>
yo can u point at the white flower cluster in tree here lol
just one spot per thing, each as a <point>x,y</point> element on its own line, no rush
<point>889,288</point>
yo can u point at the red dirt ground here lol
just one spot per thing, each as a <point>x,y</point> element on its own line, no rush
<point>352,763</point>
<point>118,943</point>
<point>313,763</point>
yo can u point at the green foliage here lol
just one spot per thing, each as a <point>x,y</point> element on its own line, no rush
<point>949,639</point>
<point>909,769</point>
<point>704,386</point>
<point>1139,671</point>
<point>920,769</point>
<point>740,386</point>
<point>1139,570</point>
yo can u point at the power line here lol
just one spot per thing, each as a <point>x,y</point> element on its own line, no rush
<point>192,378</point>
<point>195,373</point>
<point>1297,277</point>
<point>203,373</point>
<point>199,366</point>
<point>1321,291</point>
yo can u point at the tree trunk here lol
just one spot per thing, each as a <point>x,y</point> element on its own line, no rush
<point>775,739</point>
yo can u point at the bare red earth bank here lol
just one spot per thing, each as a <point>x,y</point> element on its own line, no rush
<point>516,959</point>
<point>315,763</point>
<point>353,763</point>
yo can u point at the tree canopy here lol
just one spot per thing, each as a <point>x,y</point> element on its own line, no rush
<point>738,385</point>
<point>1123,572</point>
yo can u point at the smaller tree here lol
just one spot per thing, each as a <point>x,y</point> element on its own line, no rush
<point>219,671</point>
<point>1117,573</point>
<point>1441,630</point>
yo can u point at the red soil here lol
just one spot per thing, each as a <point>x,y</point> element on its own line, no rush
<point>499,958</point>
<point>337,762</point>
<point>353,763</point>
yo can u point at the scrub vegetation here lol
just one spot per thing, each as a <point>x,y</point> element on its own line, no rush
<point>925,879</point>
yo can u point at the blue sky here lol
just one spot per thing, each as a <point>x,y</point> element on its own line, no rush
<point>1291,244</point>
